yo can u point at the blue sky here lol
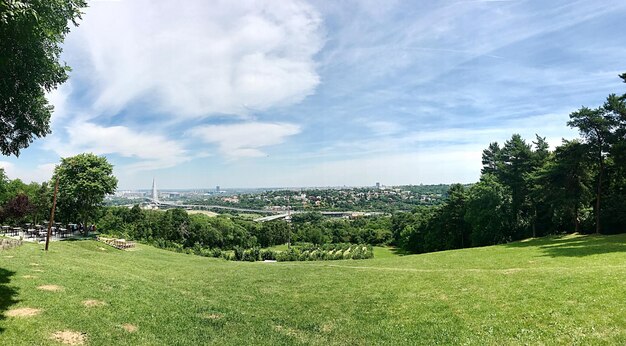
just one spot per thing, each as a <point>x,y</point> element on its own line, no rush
<point>322,93</point>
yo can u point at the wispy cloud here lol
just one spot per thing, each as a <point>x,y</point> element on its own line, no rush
<point>40,173</point>
<point>245,139</point>
<point>152,151</point>
<point>197,60</point>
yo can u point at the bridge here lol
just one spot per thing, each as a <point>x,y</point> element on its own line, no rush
<point>275,214</point>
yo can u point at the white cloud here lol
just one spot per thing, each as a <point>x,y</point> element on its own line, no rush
<point>59,99</point>
<point>39,173</point>
<point>245,139</point>
<point>200,58</point>
<point>153,151</point>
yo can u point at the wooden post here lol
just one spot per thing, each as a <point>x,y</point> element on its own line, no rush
<point>288,224</point>
<point>54,205</point>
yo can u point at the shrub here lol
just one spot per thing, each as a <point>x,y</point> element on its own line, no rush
<point>239,253</point>
<point>268,255</point>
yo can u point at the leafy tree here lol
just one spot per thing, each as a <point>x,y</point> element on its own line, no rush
<point>41,197</point>
<point>596,129</point>
<point>17,208</point>
<point>615,199</point>
<point>488,212</point>
<point>31,33</point>
<point>565,180</point>
<point>84,181</point>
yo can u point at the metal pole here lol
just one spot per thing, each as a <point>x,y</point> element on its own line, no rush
<point>54,205</point>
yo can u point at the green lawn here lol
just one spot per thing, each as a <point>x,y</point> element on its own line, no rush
<point>567,290</point>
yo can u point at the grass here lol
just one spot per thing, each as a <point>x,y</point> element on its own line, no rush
<point>203,212</point>
<point>559,290</point>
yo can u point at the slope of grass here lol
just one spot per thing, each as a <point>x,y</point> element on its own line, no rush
<point>560,290</point>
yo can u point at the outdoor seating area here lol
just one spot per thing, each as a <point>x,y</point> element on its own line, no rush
<point>37,233</point>
<point>121,244</point>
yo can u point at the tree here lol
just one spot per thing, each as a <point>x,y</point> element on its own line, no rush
<point>564,181</point>
<point>516,156</point>
<point>491,159</point>
<point>488,212</point>
<point>539,157</point>
<point>30,36</point>
<point>17,208</point>
<point>84,181</point>
<point>596,129</point>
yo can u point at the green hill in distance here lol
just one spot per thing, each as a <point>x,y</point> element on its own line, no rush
<point>556,290</point>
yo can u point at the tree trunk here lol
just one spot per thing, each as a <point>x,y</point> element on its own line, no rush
<point>598,195</point>
<point>535,224</point>
<point>576,220</point>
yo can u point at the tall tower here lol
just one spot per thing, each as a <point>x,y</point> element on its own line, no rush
<point>155,195</point>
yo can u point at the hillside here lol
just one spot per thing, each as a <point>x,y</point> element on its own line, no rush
<point>561,290</point>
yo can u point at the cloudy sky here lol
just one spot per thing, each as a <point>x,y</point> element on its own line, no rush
<point>322,93</point>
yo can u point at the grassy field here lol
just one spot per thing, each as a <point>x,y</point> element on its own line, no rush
<point>563,290</point>
<point>203,212</point>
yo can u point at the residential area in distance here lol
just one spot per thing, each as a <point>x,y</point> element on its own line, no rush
<point>378,198</point>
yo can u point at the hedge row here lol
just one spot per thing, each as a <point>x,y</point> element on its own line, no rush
<point>299,252</point>
<point>326,252</point>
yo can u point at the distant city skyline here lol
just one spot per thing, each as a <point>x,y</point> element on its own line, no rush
<point>322,93</point>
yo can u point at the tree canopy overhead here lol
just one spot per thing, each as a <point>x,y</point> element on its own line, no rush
<point>31,32</point>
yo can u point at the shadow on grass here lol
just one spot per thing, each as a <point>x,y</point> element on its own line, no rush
<point>7,293</point>
<point>575,246</point>
<point>399,251</point>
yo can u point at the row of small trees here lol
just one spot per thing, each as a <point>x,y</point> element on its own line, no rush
<point>527,190</point>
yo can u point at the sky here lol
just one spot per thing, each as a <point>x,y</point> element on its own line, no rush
<point>322,93</point>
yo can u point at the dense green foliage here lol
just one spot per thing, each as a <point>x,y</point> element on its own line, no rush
<point>559,290</point>
<point>84,181</point>
<point>23,203</point>
<point>526,190</point>
<point>226,232</point>
<point>31,32</point>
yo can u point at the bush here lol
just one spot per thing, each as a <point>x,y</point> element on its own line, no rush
<point>268,255</point>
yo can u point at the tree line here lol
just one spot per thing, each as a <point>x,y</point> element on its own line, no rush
<point>526,190</point>
<point>228,232</point>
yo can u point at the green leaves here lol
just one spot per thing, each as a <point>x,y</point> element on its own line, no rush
<point>30,38</point>
<point>84,181</point>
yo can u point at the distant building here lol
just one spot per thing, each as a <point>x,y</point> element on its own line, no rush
<point>155,194</point>
<point>217,188</point>
<point>377,185</point>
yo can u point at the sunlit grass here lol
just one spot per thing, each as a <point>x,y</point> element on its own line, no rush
<point>567,290</point>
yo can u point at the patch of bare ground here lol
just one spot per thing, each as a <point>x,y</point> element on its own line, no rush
<point>23,312</point>
<point>50,288</point>
<point>28,277</point>
<point>327,327</point>
<point>38,270</point>
<point>92,303</point>
<point>212,316</point>
<point>131,328</point>
<point>34,264</point>
<point>8,256</point>
<point>69,337</point>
